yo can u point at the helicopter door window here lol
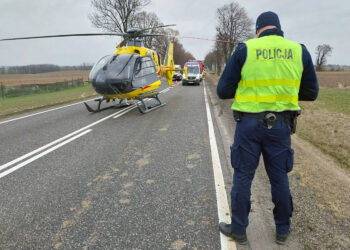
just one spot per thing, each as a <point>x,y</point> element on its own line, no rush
<point>144,67</point>
<point>144,72</point>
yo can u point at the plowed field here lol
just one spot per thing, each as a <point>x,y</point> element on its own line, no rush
<point>44,78</point>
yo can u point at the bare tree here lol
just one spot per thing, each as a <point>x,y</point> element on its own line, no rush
<point>150,20</point>
<point>219,57</point>
<point>322,52</point>
<point>210,59</point>
<point>115,15</point>
<point>234,25</point>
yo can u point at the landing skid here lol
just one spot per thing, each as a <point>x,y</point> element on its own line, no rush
<point>143,108</point>
<point>121,104</point>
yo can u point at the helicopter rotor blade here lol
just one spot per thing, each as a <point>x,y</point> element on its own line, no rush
<point>147,35</point>
<point>202,38</point>
<point>157,27</point>
<point>127,35</point>
<point>139,34</point>
<point>65,35</point>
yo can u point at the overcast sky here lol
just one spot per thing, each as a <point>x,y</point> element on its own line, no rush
<point>310,22</point>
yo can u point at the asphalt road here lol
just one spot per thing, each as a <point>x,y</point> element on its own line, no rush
<point>131,182</point>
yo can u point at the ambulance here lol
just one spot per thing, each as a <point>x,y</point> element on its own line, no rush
<point>194,74</point>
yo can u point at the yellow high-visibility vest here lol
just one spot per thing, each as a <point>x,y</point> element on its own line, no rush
<point>270,77</point>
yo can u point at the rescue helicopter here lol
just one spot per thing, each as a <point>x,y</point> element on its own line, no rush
<point>133,72</point>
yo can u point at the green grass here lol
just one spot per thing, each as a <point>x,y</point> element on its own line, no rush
<point>15,105</point>
<point>337,100</point>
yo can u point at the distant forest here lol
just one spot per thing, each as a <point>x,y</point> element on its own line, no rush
<point>41,68</point>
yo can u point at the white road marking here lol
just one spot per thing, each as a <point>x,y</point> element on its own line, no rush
<point>221,198</point>
<point>59,140</point>
<point>23,157</point>
<point>9,171</point>
<point>126,111</point>
<point>164,90</point>
<point>46,111</point>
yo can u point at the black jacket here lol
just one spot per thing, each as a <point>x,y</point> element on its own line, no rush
<point>231,76</point>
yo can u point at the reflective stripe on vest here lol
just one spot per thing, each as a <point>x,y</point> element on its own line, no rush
<point>270,77</point>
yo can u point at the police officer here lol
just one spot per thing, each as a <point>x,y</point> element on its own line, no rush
<point>266,76</point>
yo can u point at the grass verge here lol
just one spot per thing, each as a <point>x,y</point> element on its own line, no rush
<point>16,105</point>
<point>337,100</point>
<point>325,123</point>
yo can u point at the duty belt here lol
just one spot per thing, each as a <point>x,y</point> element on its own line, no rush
<point>269,118</point>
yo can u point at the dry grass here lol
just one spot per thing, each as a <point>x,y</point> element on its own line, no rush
<point>320,188</point>
<point>323,174</point>
<point>327,130</point>
<point>339,79</point>
<point>213,78</point>
<point>44,78</point>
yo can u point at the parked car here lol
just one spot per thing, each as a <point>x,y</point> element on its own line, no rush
<point>178,74</point>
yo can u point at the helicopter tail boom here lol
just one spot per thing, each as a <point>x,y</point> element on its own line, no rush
<point>168,68</point>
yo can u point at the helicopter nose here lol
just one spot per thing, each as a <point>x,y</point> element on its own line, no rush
<point>121,86</point>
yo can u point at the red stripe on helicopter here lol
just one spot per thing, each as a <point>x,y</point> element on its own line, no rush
<point>146,87</point>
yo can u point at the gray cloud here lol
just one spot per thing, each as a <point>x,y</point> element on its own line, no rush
<point>310,22</point>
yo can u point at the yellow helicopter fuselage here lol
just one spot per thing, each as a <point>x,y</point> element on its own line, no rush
<point>149,88</point>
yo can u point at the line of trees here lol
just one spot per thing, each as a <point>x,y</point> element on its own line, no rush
<point>121,15</point>
<point>41,68</point>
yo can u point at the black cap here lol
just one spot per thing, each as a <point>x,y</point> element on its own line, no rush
<point>266,19</point>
